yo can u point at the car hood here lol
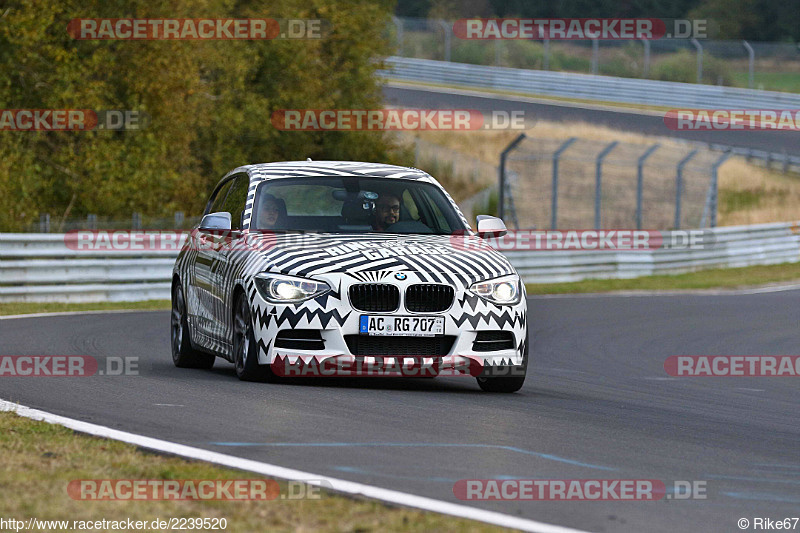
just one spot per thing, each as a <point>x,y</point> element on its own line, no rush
<point>434,258</point>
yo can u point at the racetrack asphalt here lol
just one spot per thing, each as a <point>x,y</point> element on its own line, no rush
<point>597,404</point>
<point>630,121</point>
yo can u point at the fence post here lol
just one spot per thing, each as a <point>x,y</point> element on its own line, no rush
<point>502,172</point>
<point>547,54</point>
<point>399,25</point>
<point>136,221</point>
<point>595,53</point>
<point>711,195</point>
<point>447,30</point>
<point>598,184</point>
<point>679,187</point>
<point>179,219</point>
<point>44,223</point>
<point>554,197</point>
<point>640,182</point>
<point>699,48</point>
<point>751,58</point>
<point>91,222</point>
<point>646,70</point>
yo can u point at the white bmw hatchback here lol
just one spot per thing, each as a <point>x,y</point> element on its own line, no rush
<point>358,263</point>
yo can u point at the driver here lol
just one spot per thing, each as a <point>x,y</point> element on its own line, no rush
<point>387,211</point>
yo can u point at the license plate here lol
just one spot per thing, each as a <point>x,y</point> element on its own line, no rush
<point>413,326</point>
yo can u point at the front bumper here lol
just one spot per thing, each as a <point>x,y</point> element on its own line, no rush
<point>337,321</point>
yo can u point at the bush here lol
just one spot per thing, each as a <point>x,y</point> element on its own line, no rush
<point>210,103</point>
<point>682,66</point>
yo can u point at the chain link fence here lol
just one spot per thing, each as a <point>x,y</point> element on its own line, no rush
<point>756,65</point>
<point>48,223</point>
<point>581,184</point>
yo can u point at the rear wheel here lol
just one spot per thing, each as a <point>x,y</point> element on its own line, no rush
<point>183,355</point>
<point>245,349</point>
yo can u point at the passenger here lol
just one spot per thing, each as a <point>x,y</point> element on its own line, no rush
<point>271,212</point>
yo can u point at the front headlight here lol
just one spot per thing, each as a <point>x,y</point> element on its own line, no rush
<point>504,291</point>
<point>279,289</point>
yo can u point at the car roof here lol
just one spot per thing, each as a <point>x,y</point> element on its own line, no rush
<point>299,169</point>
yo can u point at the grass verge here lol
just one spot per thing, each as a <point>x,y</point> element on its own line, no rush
<point>705,279</point>
<point>24,308</point>
<point>40,459</point>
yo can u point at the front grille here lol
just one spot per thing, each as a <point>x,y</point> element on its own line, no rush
<point>493,341</point>
<point>399,346</point>
<point>429,298</point>
<point>300,339</point>
<point>375,297</point>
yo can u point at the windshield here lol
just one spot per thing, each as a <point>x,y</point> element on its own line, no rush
<point>354,205</point>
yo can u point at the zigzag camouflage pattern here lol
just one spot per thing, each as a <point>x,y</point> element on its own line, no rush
<point>211,279</point>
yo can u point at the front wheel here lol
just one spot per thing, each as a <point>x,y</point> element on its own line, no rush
<point>506,383</point>
<point>183,355</point>
<point>245,349</point>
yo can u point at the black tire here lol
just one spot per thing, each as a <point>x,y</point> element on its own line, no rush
<point>507,384</point>
<point>245,350</point>
<point>183,355</point>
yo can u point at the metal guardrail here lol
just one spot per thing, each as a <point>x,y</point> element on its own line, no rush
<point>733,246</point>
<point>587,86</point>
<point>40,267</point>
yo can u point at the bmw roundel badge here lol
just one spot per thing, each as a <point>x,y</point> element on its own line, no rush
<point>400,276</point>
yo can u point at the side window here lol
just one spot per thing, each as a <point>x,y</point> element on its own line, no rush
<point>410,205</point>
<point>440,220</point>
<point>219,198</point>
<point>236,200</point>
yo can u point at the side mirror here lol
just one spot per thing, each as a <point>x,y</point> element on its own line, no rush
<point>216,222</point>
<point>490,226</point>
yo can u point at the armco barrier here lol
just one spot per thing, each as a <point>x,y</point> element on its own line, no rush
<point>587,86</point>
<point>733,246</point>
<point>40,267</point>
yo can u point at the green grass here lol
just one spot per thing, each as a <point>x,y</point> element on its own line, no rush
<point>731,201</point>
<point>770,81</point>
<point>704,279</point>
<point>24,308</point>
<point>40,459</point>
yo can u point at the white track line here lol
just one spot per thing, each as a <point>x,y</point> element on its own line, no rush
<point>71,313</point>
<point>678,292</point>
<point>275,471</point>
